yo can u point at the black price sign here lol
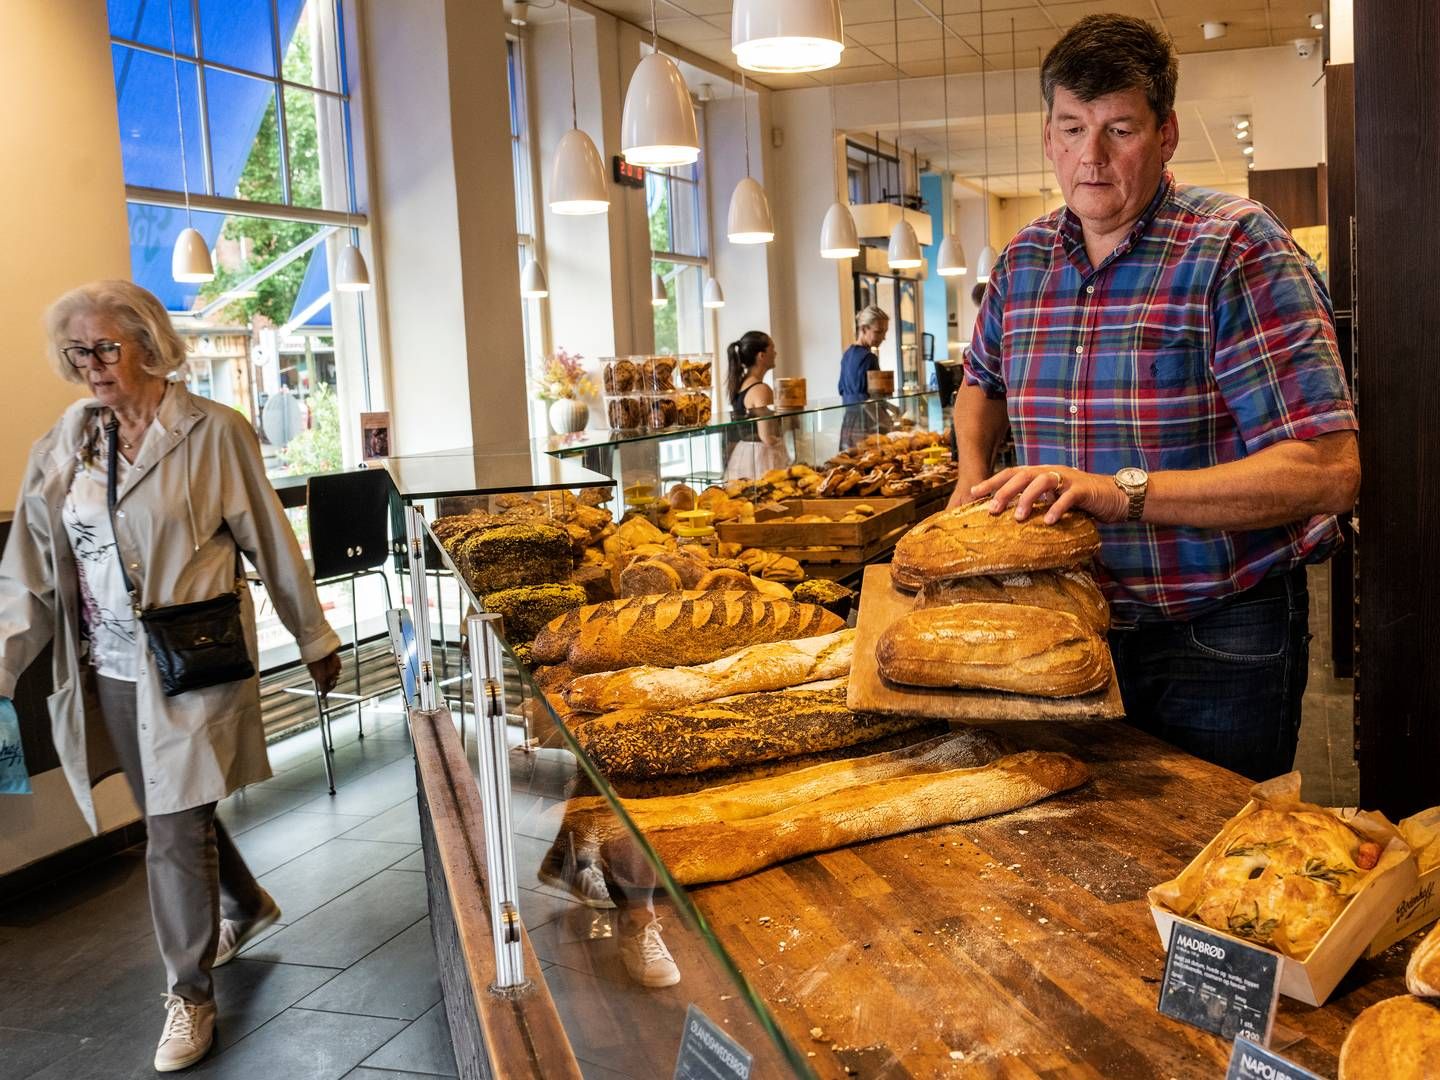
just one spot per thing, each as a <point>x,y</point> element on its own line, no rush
<point>627,175</point>
<point>1219,984</point>
<point>707,1053</point>
<point>1251,1062</point>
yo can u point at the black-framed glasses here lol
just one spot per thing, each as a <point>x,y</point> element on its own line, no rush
<point>107,352</point>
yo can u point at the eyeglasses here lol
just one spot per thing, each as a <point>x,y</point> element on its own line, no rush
<point>107,352</point>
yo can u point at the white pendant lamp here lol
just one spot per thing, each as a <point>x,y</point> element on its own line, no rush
<point>904,253</point>
<point>658,296</point>
<point>838,238</point>
<point>533,285</point>
<point>985,264</point>
<point>577,179</point>
<point>657,125</point>
<point>190,258</point>
<point>714,295</point>
<point>787,35</point>
<point>351,273</point>
<point>749,220</point>
<point>950,262</point>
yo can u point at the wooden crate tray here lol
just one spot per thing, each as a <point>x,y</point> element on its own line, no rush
<point>852,556</point>
<point>881,604</point>
<point>771,535</point>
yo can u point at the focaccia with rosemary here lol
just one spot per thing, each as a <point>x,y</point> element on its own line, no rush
<point>1281,878</point>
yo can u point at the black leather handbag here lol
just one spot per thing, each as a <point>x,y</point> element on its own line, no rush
<point>194,645</point>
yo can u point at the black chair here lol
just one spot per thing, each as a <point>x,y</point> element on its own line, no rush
<point>349,521</point>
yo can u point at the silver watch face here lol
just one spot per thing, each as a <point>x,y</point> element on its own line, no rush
<point>1131,477</point>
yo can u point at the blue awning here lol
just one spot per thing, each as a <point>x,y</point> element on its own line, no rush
<point>314,286</point>
<point>234,32</point>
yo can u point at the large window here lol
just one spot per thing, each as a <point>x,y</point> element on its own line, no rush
<point>527,238</point>
<point>679,246</point>
<point>242,107</point>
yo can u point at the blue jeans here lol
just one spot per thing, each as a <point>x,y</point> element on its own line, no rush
<point>1225,686</point>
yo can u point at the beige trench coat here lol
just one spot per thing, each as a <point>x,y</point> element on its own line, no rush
<point>188,494</point>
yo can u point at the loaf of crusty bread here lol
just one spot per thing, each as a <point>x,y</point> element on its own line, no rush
<point>1009,647</point>
<point>771,665</point>
<point>970,540</point>
<point>647,577</point>
<point>1422,973</point>
<point>726,832</point>
<point>674,629</point>
<point>1069,590</point>
<point>725,734</point>
<point>1395,1039</point>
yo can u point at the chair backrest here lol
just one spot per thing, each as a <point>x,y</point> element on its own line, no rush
<point>407,657</point>
<point>349,517</point>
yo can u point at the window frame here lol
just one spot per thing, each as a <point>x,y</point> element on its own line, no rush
<point>697,181</point>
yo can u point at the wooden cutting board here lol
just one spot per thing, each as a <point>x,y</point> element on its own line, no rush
<point>882,604</point>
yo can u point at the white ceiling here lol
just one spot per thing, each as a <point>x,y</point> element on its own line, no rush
<point>1208,153</point>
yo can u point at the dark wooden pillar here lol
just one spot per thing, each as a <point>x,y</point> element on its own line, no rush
<point>1397,365</point>
<point>1339,196</point>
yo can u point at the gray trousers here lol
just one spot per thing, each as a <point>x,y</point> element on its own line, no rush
<point>196,875</point>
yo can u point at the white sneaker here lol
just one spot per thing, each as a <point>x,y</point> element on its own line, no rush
<point>189,1030</point>
<point>234,933</point>
<point>587,884</point>
<point>647,959</point>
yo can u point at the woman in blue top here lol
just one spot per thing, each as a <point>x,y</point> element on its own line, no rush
<point>871,326</point>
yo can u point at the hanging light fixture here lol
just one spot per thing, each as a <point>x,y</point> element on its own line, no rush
<point>950,260</point>
<point>904,253</point>
<point>658,296</point>
<point>986,262</point>
<point>714,295</point>
<point>839,238</point>
<point>657,125</point>
<point>533,285</point>
<point>749,220</point>
<point>351,272</point>
<point>789,36</point>
<point>190,258</point>
<point>577,179</point>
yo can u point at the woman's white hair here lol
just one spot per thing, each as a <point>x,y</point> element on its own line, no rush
<point>870,316</point>
<point>139,314</point>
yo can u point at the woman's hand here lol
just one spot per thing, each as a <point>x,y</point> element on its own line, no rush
<point>326,672</point>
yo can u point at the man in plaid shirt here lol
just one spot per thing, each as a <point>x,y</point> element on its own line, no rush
<point>1165,358</point>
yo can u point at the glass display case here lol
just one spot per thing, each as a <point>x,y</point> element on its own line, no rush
<point>617,944</point>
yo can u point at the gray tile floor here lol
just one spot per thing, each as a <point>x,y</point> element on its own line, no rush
<point>1326,754</point>
<point>344,986</point>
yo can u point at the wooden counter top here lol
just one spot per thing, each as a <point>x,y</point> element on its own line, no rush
<point>1016,946</point>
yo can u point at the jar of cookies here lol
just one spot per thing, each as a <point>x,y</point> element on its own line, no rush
<point>696,371</point>
<point>692,408</point>
<point>662,412</point>
<point>657,374</point>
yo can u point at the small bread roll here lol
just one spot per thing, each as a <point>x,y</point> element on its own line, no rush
<point>646,576</point>
<point>1422,974</point>
<point>726,579</point>
<point>1395,1039</point>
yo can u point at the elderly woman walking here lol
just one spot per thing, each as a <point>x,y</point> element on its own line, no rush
<point>124,553</point>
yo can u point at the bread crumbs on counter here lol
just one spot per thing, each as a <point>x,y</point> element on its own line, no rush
<point>957,1055</point>
<point>818,1034</point>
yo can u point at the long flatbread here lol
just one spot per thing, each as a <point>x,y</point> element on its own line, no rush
<point>727,832</point>
<point>771,665</point>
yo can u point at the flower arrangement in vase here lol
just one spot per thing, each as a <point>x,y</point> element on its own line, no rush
<point>561,381</point>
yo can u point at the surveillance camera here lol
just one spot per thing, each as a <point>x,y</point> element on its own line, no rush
<point>1305,48</point>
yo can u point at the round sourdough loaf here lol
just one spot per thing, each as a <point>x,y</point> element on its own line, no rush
<point>1396,1039</point>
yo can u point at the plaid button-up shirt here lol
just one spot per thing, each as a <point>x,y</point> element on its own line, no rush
<point>1204,337</point>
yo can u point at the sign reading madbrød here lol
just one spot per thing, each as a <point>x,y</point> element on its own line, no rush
<point>1220,984</point>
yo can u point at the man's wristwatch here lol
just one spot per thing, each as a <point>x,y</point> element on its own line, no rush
<point>1134,482</point>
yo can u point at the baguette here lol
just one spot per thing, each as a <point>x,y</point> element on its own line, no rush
<point>1422,973</point>
<point>771,665</point>
<point>1395,1039</point>
<point>728,832</point>
<point>674,629</point>
<point>1058,590</point>
<point>740,731</point>
<point>1008,647</point>
<point>969,540</point>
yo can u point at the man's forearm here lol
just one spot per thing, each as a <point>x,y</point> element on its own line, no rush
<point>1286,482</point>
<point>980,426</point>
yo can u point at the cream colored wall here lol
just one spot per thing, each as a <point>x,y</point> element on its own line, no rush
<point>62,198</point>
<point>62,213</point>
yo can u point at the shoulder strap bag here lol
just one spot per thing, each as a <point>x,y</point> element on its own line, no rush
<point>194,645</point>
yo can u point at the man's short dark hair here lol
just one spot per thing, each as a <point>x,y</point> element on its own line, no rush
<point>1105,54</point>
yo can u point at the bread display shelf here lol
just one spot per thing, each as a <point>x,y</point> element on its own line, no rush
<point>777,535</point>
<point>881,605</point>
